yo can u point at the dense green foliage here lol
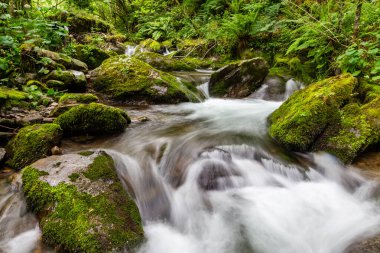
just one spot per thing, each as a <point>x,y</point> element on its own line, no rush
<point>313,39</point>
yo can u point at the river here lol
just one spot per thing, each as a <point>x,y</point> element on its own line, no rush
<point>207,178</point>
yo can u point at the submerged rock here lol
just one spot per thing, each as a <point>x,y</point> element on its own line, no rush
<point>81,203</point>
<point>32,143</point>
<point>328,116</point>
<point>94,118</point>
<point>128,79</point>
<point>371,245</point>
<point>162,62</point>
<point>239,79</point>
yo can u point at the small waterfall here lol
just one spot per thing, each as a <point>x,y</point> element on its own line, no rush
<point>19,231</point>
<point>261,92</point>
<point>130,50</point>
<point>166,52</point>
<point>204,88</point>
<point>292,86</point>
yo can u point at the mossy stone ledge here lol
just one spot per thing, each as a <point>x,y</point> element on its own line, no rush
<point>32,143</point>
<point>81,204</point>
<point>128,79</point>
<point>93,118</point>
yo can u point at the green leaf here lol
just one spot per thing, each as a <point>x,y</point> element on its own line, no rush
<point>356,73</point>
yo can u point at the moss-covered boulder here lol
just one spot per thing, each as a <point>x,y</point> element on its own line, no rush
<point>307,113</point>
<point>10,98</point>
<point>129,79</point>
<point>336,115</point>
<point>239,79</point>
<point>81,204</point>
<point>82,98</point>
<point>91,55</point>
<point>74,81</point>
<point>358,127</point>
<point>94,118</point>
<point>32,143</point>
<point>162,62</point>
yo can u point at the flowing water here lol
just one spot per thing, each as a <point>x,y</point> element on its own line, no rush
<point>207,178</point>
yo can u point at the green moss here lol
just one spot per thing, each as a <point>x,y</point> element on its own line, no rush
<point>73,177</point>
<point>55,84</point>
<point>84,98</point>
<point>91,55</point>
<point>305,115</point>
<point>10,98</point>
<point>101,168</point>
<point>75,221</point>
<point>151,44</point>
<point>163,62</point>
<point>197,63</point>
<point>129,79</point>
<point>67,77</point>
<point>72,82</point>
<point>86,153</point>
<point>93,119</point>
<point>32,143</point>
<point>36,83</point>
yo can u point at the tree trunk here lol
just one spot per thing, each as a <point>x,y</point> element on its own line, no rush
<point>358,14</point>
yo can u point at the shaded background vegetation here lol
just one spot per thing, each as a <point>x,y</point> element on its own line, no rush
<point>312,39</point>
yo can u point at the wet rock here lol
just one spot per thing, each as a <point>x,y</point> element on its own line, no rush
<point>94,118</point>
<point>162,62</point>
<point>32,143</point>
<point>238,80</point>
<point>273,89</point>
<point>128,79</point>
<point>371,245</point>
<point>216,175</point>
<point>143,119</point>
<point>56,150</point>
<point>81,203</point>
<point>2,154</point>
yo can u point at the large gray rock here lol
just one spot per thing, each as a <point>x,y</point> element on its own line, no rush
<point>238,80</point>
<point>81,204</point>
